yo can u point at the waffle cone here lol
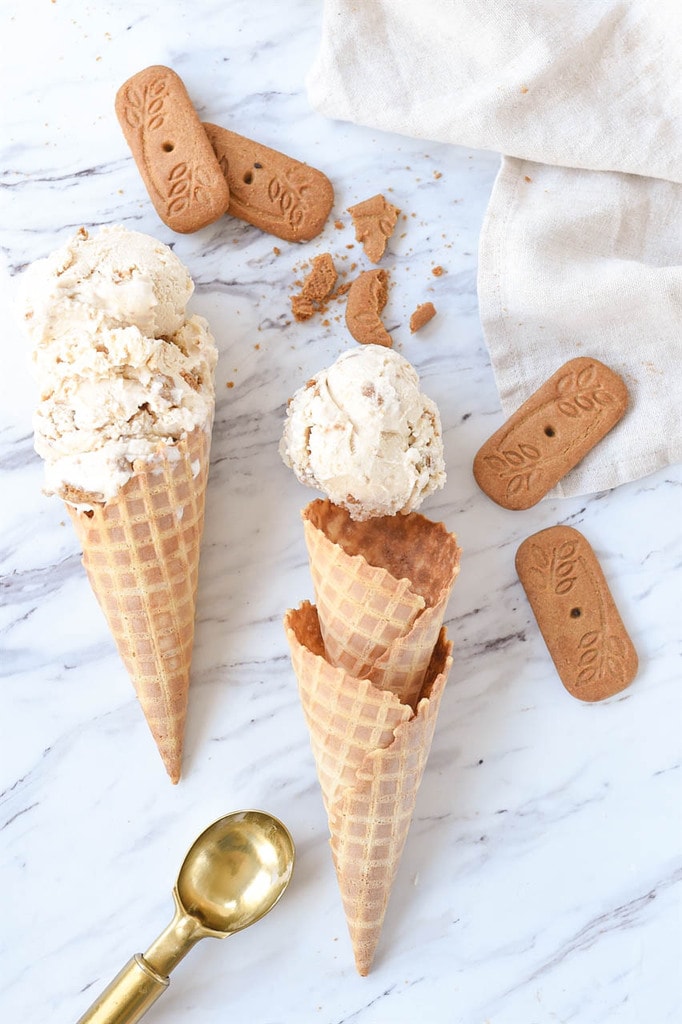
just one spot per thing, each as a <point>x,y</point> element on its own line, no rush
<point>370,751</point>
<point>141,553</point>
<point>381,590</point>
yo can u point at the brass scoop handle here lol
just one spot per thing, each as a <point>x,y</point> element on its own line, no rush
<point>144,978</point>
<point>128,997</point>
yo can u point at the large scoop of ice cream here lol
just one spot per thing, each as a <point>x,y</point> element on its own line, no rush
<point>122,369</point>
<point>364,434</point>
<point>116,278</point>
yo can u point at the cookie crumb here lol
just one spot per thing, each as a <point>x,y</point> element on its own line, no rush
<point>338,224</point>
<point>374,220</point>
<point>437,174</point>
<point>526,178</point>
<point>190,379</point>
<point>230,384</point>
<point>421,316</point>
<point>276,250</point>
<point>524,88</point>
<point>316,287</point>
<point>342,289</point>
<point>437,271</point>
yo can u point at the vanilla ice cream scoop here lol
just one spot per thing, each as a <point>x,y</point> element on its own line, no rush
<point>116,278</point>
<point>122,369</point>
<point>364,434</point>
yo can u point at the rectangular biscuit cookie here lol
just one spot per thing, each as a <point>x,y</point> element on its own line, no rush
<point>270,190</point>
<point>576,613</point>
<point>172,153</point>
<point>550,433</point>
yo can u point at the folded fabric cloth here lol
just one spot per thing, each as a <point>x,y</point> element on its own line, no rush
<point>574,258</point>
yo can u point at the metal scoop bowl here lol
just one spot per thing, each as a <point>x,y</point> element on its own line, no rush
<point>234,873</point>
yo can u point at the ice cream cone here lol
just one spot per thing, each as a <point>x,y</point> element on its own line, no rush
<point>141,552</point>
<point>381,589</point>
<point>370,751</point>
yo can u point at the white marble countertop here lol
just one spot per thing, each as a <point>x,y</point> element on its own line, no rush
<point>541,879</point>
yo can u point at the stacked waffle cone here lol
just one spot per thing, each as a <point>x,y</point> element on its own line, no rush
<point>372,660</point>
<point>141,552</point>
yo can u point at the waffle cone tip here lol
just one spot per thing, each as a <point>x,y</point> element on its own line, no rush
<point>141,553</point>
<point>173,769</point>
<point>370,752</point>
<point>171,755</point>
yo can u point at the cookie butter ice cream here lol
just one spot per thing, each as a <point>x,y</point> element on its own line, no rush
<point>364,434</point>
<point>122,369</point>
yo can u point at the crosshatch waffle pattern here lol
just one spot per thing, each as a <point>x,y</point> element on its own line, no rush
<point>370,822</point>
<point>373,624</point>
<point>347,717</point>
<point>370,751</point>
<point>402,668</point>
<point>141,553</point>
<point>362,608</point>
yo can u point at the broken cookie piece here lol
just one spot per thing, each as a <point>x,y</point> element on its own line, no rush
<point>366,299</point>
<point>374,221</point>
<point>421,316</point>
<point>316,288</point>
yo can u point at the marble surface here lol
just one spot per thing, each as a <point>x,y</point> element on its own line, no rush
<point>541,879</point>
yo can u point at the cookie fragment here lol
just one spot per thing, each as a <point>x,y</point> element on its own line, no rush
<point>550,433</point>
<point>367,297</point>
<point>374,220</point>
<point>576,613</point>
<point>171,150</point>
<point>316,288</point>
<point>421,316</point>
<point>270,190</point>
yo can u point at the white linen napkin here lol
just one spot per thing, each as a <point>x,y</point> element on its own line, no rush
<point>581,249</point>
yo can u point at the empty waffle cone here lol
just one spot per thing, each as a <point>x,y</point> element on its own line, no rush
<point>141,552</point>
<point>370,751</point>
<point>381,590</point>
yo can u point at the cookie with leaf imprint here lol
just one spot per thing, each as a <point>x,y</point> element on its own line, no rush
<point>173,155</point>
<point>374,221</point>
<point>550,433</point>
<point>270,190</point>
<point>576,613</point>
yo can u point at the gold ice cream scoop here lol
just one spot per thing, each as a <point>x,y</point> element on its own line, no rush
<point>232,876</point>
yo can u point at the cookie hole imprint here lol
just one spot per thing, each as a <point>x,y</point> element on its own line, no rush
<point>248,178</point>
<point>257,166</point>
<point>168,147</point>
<point>550,431</point>
<point>575,613</point>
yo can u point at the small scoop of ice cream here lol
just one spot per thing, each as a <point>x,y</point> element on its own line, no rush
<point>122,369</point>
<point>364,434</point>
